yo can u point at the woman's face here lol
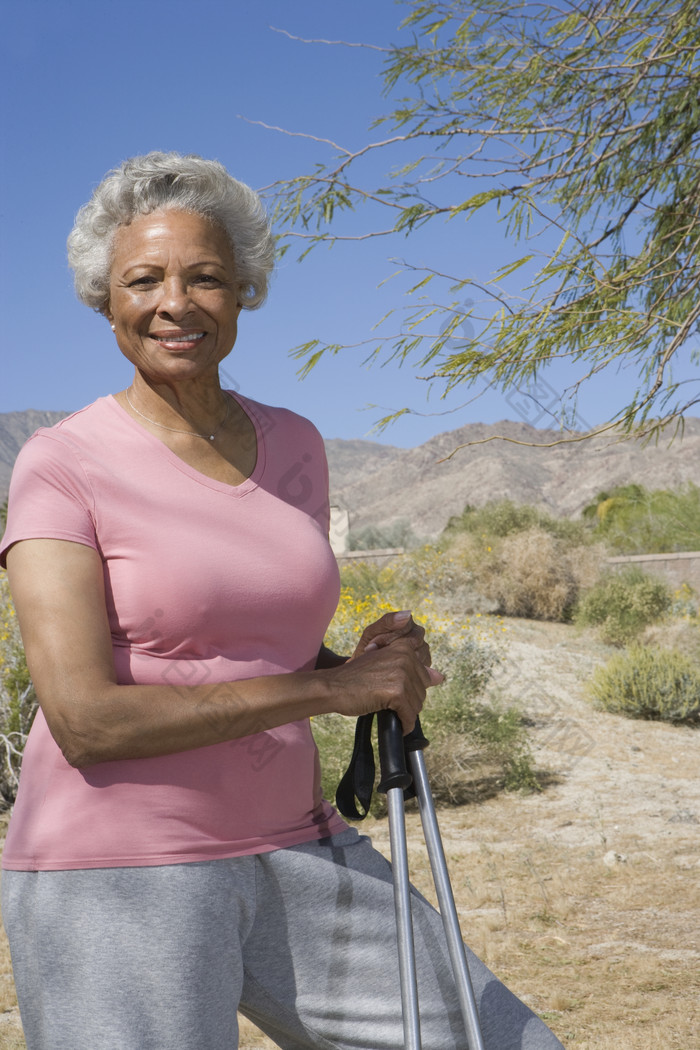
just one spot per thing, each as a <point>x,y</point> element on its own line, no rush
<point>173,297</point>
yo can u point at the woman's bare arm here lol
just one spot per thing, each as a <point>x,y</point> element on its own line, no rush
<point>58,590</point>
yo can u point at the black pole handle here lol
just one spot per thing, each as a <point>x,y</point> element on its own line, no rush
<point>357,783</point>
<point>392,757</point>
<point>415,741</point>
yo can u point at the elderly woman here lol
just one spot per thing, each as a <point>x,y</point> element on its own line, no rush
<point>170,858</point>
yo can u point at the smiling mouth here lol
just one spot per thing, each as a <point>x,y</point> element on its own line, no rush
<point>181,339</point>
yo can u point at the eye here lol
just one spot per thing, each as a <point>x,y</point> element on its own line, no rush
<point>206,278</point>
<point>144,280</point>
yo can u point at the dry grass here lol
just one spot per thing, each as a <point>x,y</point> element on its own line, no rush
<point>605,949</point>
<point>535,576</point>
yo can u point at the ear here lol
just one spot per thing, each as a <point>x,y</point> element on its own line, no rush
<point>106,312</point>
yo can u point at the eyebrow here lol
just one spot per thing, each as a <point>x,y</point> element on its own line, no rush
<point>144,265</point>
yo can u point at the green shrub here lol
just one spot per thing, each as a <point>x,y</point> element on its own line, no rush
<point>623,603</point>
<point>500,518</point>
<point>475,746</point>
<point>686,603</point>
<point>649,683</point>
<point>634,520</point>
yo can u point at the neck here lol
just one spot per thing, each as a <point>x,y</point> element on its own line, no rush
<point>197,404</point>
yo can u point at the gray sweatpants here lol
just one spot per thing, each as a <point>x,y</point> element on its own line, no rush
<point>302,940</point>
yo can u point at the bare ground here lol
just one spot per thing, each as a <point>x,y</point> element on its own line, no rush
<point>585,897</point>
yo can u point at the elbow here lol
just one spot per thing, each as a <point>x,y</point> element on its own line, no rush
<point>87,746</point>
<point>81,741</point>
<point>78,757</point>
<point>77,748</point>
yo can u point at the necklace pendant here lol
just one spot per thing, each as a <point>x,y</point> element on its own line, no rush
<point>212,436</point>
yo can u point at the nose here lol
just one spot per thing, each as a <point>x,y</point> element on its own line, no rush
<point>175,299</point>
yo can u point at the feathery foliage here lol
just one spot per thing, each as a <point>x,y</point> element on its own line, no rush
<point>575,125</point>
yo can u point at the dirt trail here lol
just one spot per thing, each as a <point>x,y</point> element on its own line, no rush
<point>585,897</point>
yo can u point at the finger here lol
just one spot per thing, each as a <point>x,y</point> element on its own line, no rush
<point>436,677</point>
<point>381,632</point>
<point>416,635</point>
<point>408,720</point>
<point>429,676</point>
<point>424,655</point>
<point>419,662</point>
<point>409,630</point>
<point>409,709</point>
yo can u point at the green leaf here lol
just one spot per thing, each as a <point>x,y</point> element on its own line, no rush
<point>509,268</point>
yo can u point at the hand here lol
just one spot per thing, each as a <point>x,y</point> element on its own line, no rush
<point>388,629</point>
<point>390,669</point>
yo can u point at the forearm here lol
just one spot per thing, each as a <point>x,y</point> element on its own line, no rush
<point>144,721</point>
<point>96,721</point>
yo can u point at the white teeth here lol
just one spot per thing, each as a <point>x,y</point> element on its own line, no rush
<point>180,338</point>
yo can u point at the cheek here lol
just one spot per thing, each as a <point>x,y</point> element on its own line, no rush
<point>128,310</point>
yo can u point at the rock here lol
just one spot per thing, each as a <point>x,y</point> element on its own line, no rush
<point>612,858</point>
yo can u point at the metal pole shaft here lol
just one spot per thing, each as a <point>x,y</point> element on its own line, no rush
<point>404,923</point>
<point>448,911</point>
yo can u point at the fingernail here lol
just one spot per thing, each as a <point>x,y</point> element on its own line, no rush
<point>371,645</point>
<point>402,616</point>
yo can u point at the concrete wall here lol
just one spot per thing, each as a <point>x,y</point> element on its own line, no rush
<point>676,569</point>
<point>381,556</point>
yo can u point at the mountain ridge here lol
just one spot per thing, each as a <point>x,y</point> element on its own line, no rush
<point>432,482</point>
<point>379,484</point>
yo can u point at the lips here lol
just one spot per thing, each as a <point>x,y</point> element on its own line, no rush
<point>177,340</point>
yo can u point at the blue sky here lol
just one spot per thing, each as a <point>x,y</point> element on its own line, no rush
<point>86,83</point>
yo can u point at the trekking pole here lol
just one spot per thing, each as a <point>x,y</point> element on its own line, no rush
<point>445,896</point>
<point>393,749</point>
<point>395,778</point>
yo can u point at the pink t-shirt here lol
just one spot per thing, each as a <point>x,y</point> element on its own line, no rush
<point>205,582</point>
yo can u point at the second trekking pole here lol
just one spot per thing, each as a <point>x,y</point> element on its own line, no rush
<point>395,779</point>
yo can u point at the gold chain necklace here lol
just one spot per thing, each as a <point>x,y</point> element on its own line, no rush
<point>177,430</point>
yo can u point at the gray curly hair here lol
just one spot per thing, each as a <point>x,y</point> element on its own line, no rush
<point>159,181</point>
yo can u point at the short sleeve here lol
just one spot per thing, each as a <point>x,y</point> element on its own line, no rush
<point>50,495</point>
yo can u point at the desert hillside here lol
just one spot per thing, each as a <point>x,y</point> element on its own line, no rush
<point>428,484</point>
<point>379,483</point>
